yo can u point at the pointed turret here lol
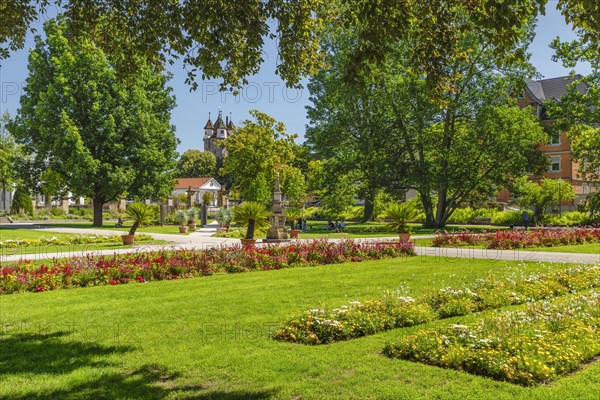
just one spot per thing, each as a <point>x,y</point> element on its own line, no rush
<point>230,125</point>
<point>209,124</point>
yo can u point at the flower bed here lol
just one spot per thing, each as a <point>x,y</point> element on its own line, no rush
<point>518,239</point>
<point>357,319</point>
<point>354,320</point>
<point>534,345</point>
<point>67,240</point>
<point>158,265</point>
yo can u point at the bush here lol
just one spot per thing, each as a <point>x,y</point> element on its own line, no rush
<point>567,219</point>
<point>22,201</point>
<point>509,217</point>
<point>57,211</point>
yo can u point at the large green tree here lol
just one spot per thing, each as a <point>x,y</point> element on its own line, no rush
<point>196,163</point>
<point>350,129</point>
<point>468,145</point>
<point>104,137</point>
<point>451,151</point>
<point>225,39</point>
<point>9,154</point>
<point>257,151</point>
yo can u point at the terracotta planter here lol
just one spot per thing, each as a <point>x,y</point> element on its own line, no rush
<point>183,229</point>
<point>404,237</point>
<point>128,239</point>
<point>294,233</point>
<point>221,230</point>
<point>247,243</point>
<point>191,226</point>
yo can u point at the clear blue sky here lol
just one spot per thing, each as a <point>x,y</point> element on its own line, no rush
<point>266,91</point>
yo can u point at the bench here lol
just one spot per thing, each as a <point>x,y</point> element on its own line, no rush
<point>481,221</point>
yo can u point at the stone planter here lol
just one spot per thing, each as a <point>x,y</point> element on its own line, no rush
<point>248,243</point>
<point>128,239</point>
<point>294,233</point>
<point>404,237</point>
<point>221,230</point>
<point>183,229</point>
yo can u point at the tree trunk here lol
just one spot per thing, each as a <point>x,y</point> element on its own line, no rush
<point>97,203</point>
<point>134,228</point>
<point>250,230</point>
<point>369,207</point>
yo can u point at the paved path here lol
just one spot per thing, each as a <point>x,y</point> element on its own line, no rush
<point>202,239</point>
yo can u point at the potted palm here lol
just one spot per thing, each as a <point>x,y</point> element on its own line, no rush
<point>253,215</point>
<point>182,219</point>
<point>293,215</point>
<point>224,217</point>
<point>141,214</point>
<point>192,214</point>
<point>400,214</point>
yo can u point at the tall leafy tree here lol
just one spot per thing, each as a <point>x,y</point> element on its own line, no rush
<point>196,163</point>
<point>451,150</point>
<point>541,195</point>
<point>256,152</point>
<point>104,136</point>
<point>224,39</point>
<point>350,129</point>
<point>471,143</point>
<point>9,154</point>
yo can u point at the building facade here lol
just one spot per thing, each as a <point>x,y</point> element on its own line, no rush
<point>215,133</point>
<point>558,146</point>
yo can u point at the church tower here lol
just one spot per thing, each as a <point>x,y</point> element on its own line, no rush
<point>213,134</point>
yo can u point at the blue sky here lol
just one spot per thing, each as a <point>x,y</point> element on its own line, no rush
<point>265,91</point>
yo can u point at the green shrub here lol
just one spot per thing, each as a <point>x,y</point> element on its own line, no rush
<point>22,201</point>
<point>57,211</point>
<point>567,219</point>
<point>510,217</point>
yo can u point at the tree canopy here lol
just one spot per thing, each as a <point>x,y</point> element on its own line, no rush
<point>221,39</point>
<point>9,153</point>
<point>541,195</point>
<point>196,163</point>
<point>103,137</point>
<point>392,135</point>
<point>256,152</point>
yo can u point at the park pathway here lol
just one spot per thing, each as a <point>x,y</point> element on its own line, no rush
<point>202,239</point>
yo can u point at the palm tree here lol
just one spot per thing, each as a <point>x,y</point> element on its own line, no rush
<point>141,214</point>
<point>253,215</point>
<point>401,214</point>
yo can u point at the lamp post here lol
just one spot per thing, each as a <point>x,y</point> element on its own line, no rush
<point>559,199</point>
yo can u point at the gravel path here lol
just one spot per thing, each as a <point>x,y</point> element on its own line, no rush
<point>202,239</point>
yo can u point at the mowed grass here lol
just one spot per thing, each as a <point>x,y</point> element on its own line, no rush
<point>112,225</point>
<point>588,248</point>
<point>209,338</point>
<point>24,233</point>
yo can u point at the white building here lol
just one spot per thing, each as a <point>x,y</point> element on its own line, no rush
<point>200,186</point>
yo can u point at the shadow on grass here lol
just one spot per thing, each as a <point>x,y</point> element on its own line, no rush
<point>54,354</point>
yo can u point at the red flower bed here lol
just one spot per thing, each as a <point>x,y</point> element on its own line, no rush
<point>159,265</point>
<point>518,239</point>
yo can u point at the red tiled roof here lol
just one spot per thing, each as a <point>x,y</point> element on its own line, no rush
<point>185,183</point>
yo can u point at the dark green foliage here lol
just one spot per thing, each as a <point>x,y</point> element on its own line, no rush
<point>22,201</point>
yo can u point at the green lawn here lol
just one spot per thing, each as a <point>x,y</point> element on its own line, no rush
<point>589,248</point>
<point>112,225</point>
<point>20,233</point>
<point>208,337</point>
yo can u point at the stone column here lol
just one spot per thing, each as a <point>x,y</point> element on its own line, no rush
<point>65,205</point>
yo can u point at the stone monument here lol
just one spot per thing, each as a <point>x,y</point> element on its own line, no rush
<point>277,231</point>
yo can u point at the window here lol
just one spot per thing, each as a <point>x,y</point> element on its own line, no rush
<point>554,164</point>
<point>554,138</point>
